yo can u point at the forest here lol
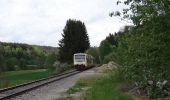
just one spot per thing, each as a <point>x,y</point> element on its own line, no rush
<point>16,56</point>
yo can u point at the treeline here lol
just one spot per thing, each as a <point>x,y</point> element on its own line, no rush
<point>15,56</point>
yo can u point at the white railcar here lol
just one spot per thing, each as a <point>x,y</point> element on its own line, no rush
<point>83,61</point>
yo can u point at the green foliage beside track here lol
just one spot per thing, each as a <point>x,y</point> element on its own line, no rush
<point>105,48</point>
<point>143,50</point>
<point>94,51</point>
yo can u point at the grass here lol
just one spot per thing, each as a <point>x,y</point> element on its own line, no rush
<point>13,78</point>
<point>103,87</point>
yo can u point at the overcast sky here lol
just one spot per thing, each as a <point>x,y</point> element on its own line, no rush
<point>41,22</point>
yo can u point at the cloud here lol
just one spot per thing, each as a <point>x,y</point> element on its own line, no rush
<point>41,22</point>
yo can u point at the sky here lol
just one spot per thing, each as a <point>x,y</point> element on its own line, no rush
<point>41,22</point>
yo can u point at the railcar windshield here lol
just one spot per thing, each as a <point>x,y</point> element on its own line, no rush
<point>79,58</point>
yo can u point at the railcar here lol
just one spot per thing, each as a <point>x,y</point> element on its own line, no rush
<point>83,61</point>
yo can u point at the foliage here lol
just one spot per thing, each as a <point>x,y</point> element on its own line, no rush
<point>74,40</point>
<point>14,56</point>
<point>112,39</point>
<point>105,48</point>
<point>94,51</point>
<point>143,51</point>
<point>149,60</point>
<point>110,57</point>
<point>51,58</point>
<point>61,67</point>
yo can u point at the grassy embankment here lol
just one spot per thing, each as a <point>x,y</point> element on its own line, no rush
<point>98,87</point>
<point>12,78</point>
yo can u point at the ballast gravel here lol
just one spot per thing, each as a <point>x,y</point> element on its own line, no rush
<point>53,90</point>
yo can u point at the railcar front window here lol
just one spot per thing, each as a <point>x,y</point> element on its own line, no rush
<point>79,58</point>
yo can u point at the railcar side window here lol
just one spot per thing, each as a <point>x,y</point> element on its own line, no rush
<point>79,57</point>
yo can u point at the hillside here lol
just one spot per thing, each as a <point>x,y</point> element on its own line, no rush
<point>16,56</point>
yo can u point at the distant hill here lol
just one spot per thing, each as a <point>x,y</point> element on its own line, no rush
<point>18,56</point>
<point>46,49</point>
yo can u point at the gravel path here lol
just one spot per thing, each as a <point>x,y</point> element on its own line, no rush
<point>54,90</point>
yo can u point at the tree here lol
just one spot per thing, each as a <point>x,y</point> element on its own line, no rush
<point>22,63</point>
<point>23,56</point>
<point>74,40</point>
<point>94,51</point>
<point>144,52</point>
<point>105,48</point>
<point>11,62</point>
<point>2,63</point>
<point>50,59</point>
<point>142,12</point>
<point>112,39</point>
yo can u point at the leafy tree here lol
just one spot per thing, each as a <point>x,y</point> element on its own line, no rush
<point>11,62</point>
<point>144,52</point>
<point>94,51</point>
<point>2,63</point>
<point>112,39</point>
<point>23,63</point>
<point>105,48</point>
<point>50,59</point>
<point>1,58</point>
<point>75,40</point>
<point>20,56</point>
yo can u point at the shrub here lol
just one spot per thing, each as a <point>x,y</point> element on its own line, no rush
<point>110,57</point>
<point>144,57</point>
<point>105,48</point>
<point>61,67</point>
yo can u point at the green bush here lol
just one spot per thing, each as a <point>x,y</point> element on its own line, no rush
<point>61,67</point>
<point>95,53</point>
<point>105,48</point>
<point>145,57</point>
<point>110,57</point>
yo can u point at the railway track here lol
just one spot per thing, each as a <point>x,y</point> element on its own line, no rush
<point>8,93</point>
